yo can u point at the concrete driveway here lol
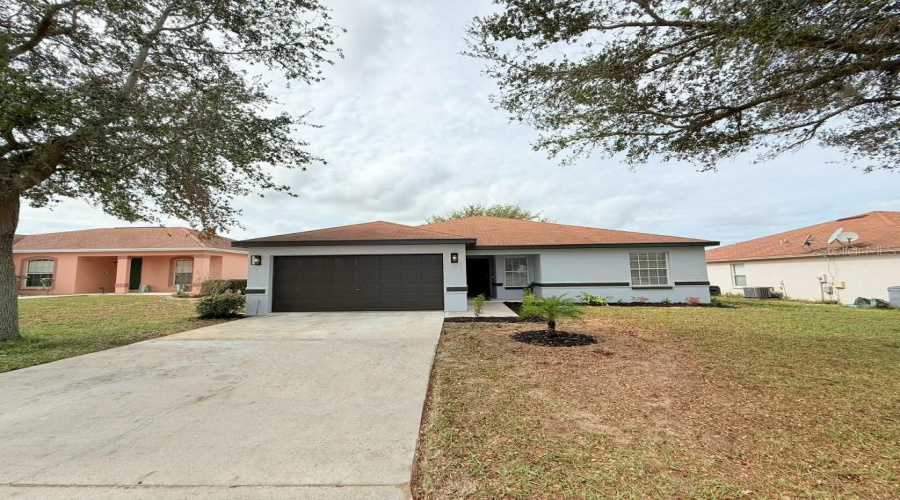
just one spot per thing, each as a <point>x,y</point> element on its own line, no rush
<point>300,406</point>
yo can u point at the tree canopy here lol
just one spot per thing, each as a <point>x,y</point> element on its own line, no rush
<point>700,82</point>
<point>506,211</point>
<point>148,107</point>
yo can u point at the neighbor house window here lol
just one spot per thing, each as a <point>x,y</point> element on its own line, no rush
<point>517,272</point>
<point>37,270</point>
<point>649,268</point>
<point>739,275</point>
<point>184,271</point>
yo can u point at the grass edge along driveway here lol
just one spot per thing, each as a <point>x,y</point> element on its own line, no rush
<point>61,327</point>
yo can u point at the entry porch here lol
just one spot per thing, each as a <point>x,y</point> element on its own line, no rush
<point>501,275</point>
<point>95,272</point>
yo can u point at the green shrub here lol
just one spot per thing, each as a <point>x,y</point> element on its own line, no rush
<point>221,305</point>
<point>593,300</point>
<point>216,287</point>
<point>478,304</point>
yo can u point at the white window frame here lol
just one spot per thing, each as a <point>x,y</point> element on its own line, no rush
<point>28,272</point>
<point>648,270</point>
<point>734,275</point>
<point>176,273</point>
<point>507,272</point>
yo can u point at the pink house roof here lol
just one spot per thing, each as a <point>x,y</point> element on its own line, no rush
<point>122,238</point>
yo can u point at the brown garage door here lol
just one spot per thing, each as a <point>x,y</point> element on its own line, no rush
<point>358,283</point>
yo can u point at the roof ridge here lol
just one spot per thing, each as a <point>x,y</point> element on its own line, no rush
<point>875,228</point>
<point>882,214</point>
<point>321,229</point>
<point>420,228</point>
<point>778,234</point>
<point>190,232</point>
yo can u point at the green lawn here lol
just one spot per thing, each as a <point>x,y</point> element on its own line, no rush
<point>57,328</point>
<point>771,399</point>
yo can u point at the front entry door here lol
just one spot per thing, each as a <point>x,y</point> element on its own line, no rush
<point>134,282</point>
<point>478,276</point>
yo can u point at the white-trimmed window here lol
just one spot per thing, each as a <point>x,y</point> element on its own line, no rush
<point>738,275</point>
<point>516,272</point>
<point>649,268</point>
<point>36,270</point>
<point>184,271</point>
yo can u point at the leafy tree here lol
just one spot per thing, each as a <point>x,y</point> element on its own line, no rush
<point>551,309</point>
<point>700,82</point>
<point>146,107</point>
<point>510,211</point>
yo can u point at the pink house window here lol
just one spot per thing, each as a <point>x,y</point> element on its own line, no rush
<point>36,270</point>
<point>184,271</point>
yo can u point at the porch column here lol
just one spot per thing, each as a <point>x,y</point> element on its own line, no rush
<point>201,271</point>
<point>123,269</point>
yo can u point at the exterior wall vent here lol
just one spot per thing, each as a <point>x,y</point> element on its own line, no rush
<point>757,292</point>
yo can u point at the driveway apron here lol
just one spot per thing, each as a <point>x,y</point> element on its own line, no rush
<point>301,405</point>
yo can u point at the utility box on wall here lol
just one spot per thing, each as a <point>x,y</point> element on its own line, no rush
<point>894,295</point>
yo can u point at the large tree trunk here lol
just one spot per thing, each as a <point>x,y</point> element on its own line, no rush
<point>9,283</point>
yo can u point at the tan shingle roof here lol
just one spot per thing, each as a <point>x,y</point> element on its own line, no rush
<point>17,237</point>
<point>875,229</point>
<point>378,232</point>
<point>492,232</point>
<point>122,238</point>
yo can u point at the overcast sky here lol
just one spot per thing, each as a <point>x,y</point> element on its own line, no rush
<point>408,130</point>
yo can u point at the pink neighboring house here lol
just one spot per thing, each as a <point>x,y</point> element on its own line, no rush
<point>124,259</point>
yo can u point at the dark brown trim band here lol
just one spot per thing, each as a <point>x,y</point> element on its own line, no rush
<point>339,243</point>
<point>457,289</point>
<point>651,288</point>
<point>497,284</point>
<point>577,285</point>
<point>683,283</point>
<point>601,245</point>
<point>255,291</point>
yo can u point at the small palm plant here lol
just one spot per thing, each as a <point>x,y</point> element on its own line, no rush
<point>550,309</point>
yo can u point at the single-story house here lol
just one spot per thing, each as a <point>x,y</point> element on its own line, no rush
<point>840,260</point>
<point>387,266</point>
<point>123,259</point>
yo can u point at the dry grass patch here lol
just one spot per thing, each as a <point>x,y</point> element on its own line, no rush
<point>766,400</point>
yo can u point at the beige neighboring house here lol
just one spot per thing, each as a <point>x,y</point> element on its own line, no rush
<point>803,265</point>
<point>122,260</point>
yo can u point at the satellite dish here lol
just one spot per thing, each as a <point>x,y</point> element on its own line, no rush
<point>834,235</point>
<point>848,237</point>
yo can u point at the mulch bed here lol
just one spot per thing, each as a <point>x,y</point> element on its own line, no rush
<point>558,339</point>
<point>485,319</point>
